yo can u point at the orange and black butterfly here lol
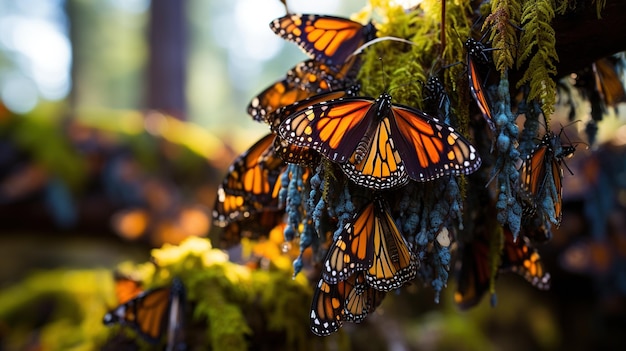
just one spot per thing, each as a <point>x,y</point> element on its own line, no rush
<point>541,175</point>
<point>348,300</point>
<point>247,200</point>
<point>254,174</point>
<point>371,242</point>
<point>152,313</point>
<point>478,54</point>
<point>327,39</point>
<point>476,274</point>
<point>380,145</point>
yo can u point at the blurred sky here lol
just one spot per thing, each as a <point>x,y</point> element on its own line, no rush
<point>232,55</point>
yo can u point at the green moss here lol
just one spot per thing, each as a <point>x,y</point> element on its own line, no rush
<point>230,304</point>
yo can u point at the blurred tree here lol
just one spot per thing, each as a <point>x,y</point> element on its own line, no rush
<point>167,60</point>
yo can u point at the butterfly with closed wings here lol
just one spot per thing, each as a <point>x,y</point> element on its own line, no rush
<point>371,242</point>
<point>541,176</point>
<point>348,300</point>
<point>478,54</point>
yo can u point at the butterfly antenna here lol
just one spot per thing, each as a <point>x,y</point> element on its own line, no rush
<point>284,2</point>
<point>443,29</point>
<point>382,69</point>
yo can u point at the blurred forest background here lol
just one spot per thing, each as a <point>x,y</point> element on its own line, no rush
<point>118,119</point>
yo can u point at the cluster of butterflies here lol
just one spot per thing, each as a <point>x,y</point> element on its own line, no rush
<point>152,313</point>
<point>373,146</point>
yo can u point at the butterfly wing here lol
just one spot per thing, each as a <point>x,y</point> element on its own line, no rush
<point>352,251</point>
<point>361,299</point>
<point>327,308</point>
<point>533,171</point>
<point>522,258</point>
<point>333,128</point>
<point>475,274</point>
<point>327,39</point>
<point>393,265</point>
<point>255,173</point>
<point>608,83</point>
<point>126,288</point>
<point>281,93</point>
<point>290,153</point>
<point>304,80</point>
<point>429,148</point>
<point>478,92</point>
<point>376,163</point>
<point>146,313</point>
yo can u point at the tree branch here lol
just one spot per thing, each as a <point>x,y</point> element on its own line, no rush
<point>582,38</point>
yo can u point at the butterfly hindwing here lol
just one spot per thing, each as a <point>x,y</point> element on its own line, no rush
<point>430,148</point>
<point>349,300</point>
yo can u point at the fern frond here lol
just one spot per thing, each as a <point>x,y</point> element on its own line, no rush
<point>503,20</point>
<point>537,43</point>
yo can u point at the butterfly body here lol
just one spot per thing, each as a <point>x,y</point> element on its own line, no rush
<point>380,145</point>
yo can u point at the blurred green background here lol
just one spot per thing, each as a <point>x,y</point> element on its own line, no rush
<point>92,176</point>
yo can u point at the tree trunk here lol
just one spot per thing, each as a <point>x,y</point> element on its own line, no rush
<point>166,67</point>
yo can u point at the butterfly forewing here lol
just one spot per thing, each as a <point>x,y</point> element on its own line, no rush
<point>352,250</point>
<point>328,39</point>
<point>327,309</point>
<point>333,128</point>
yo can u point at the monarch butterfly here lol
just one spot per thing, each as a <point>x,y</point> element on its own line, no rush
<point>379,145</point>
<point>152,312</point>
<point>327,39</point>
<point>477,54</point>
<point>541,174</point>
<point>348,300</point>
<point>254,174</point>
<point>371,242</point>
<point>476,274</point>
